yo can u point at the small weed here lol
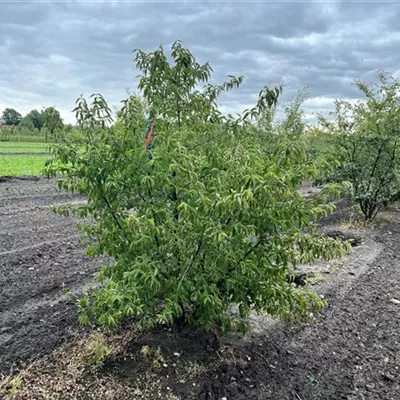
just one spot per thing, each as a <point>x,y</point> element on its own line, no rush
<point>69,294</point>
<point>16,385</point>
<point>146,351</point>
<point>316,278</point>
<point>313,380</point>
<point>11,385</point>
<point>194,369</point>
<point>158,359</point>
<point>226,354</point>
<point>98,351</point>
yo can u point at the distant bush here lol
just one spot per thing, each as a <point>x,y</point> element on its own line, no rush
<point>366,136</point>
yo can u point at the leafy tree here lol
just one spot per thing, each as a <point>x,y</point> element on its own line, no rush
<point>11,117</point>
<point>367,136</point>
<point>292,126</point>
<point>211,220</point>
<point>52,121</point>
<point>68,128</point>
<point>36,118</point>
<point>27,123</point>
<point>172,91</point>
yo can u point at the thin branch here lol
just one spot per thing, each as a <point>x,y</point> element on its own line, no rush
<point>249,251</point>
<point>198,247</point>
<point>378,155</point>
<point>114,216</point>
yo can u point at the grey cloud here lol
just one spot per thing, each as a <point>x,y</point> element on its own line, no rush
<point>52,52</point>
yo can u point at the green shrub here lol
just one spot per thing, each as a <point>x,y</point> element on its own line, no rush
<point>212,218</point>
<point>97,350</point>
<point>367,139</point>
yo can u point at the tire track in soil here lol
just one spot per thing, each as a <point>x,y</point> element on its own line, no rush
<point>38,245</point>
<point>40,252</point>
<point>23,235</point>
<point>44,208</point>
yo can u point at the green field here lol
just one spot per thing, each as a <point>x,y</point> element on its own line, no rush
<point>23,147</point>
<point>22,165</point>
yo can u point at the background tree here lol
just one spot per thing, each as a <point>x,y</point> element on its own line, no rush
<point>367,143</point>
<point>36,118</point>
<point>52,121</point>
<point>11,117</point>
<point>27,123</point>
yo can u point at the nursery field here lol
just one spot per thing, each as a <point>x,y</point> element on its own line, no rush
<point>23,148</point>
<point>23,158</point>
<point>350,351</point>
<point>25,165</point>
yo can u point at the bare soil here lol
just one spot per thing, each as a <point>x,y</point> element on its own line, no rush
<point>39,253</point>
<point>351,350</point>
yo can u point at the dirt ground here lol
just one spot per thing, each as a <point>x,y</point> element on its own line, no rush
<point>39,252</point>
<point>350,351</point>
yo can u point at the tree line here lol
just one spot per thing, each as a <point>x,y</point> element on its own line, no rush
<point>47,122</point>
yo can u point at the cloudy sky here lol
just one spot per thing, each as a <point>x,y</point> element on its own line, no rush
<point>51,52</point>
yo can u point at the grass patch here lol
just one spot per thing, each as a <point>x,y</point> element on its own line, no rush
<point>6,137</point>
<point>22,165</point>
<point>24,147</point>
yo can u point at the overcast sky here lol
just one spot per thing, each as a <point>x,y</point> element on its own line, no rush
<point>51,52</point>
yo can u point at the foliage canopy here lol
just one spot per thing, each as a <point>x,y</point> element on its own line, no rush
<point>214,218</point>
<point>11,117</point>
<point>52,120</point>
<point>366,139</point>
